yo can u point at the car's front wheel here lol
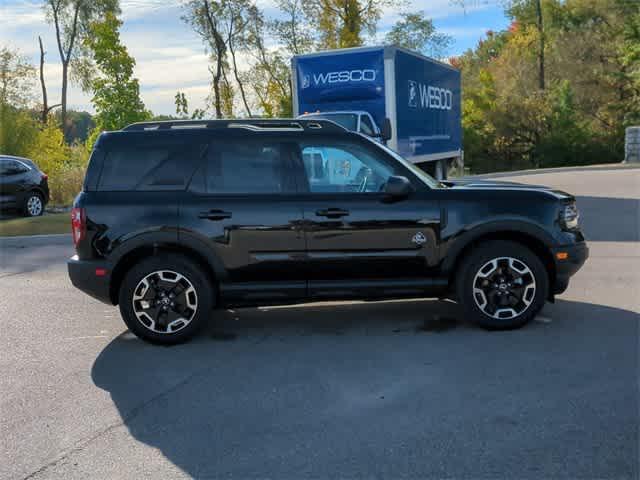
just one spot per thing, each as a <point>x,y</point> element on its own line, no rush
<point>33,205</point>
<point>166,299</point>
<point>502,285</point>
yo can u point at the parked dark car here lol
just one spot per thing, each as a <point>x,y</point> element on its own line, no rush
<point>177,218</point>
<point>22,186</point>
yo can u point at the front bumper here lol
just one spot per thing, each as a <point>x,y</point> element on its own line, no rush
<point>93,277</point>
<point>576,255</point>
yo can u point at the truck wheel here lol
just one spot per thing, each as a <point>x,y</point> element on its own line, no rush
<point>166,299</point>
<point>502,285</point>
<point>440,170</point>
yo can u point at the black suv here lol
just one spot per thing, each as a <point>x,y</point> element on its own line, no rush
<point>178,218</point>
<point>22,186</point>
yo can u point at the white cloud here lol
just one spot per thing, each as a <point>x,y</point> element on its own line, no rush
<point>20,14</point>
<point>464,32</point>
<point>137,9</point>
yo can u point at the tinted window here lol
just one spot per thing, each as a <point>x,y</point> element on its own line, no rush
<point>11,167</point>
<point>249,167</point>
<point>149,167</point>
<point>344,167</point>
<point>4,167</point>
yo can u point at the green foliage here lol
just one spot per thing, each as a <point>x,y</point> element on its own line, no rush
<point>344,23</point>
<point>17,125</point>
<point>16,79</point>
<point>116,93</point>
<point>415,31</point>
<point>78,125</point>
<point>592,62</point>
<point>64,164</point>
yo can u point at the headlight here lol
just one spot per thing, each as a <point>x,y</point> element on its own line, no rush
<point>569,216</point>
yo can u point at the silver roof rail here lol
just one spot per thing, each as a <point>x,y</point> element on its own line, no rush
<point>256,125</point>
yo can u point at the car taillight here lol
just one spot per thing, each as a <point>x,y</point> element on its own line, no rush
<point>78,225</point>
<point>45,176</point>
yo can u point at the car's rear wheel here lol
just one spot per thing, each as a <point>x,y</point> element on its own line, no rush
<point>166,299</point>
<point>33,205</point>
<point>502,285</point>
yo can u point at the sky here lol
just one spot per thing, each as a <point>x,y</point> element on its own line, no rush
<point>171,57</point>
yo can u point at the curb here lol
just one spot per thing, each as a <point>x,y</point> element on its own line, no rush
<point>35,240</point>
<point>541,171</point>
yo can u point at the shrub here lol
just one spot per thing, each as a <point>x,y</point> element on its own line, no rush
<point>64,164</point>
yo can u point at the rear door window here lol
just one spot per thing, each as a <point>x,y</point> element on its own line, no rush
<point>12,167</point>
<point>251,167</point>
<point>150,166</point>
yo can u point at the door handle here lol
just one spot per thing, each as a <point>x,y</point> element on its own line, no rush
<point>332,213</point>
<point>215,215</point>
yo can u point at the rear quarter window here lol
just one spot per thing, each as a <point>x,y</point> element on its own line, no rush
<point>150,166</point>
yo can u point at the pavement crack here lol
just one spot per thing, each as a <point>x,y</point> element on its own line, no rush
<point>131,415</point>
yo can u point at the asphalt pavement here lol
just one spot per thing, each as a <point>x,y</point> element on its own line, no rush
<point>404,389</point>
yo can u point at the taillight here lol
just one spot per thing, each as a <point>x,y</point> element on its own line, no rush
<point>45,176</point>
<point>78,225</point>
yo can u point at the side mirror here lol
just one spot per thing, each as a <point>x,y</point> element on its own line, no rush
<point>398,187</point>
<point>385,130</point>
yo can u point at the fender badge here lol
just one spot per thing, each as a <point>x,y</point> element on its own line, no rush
<point>419,238</point>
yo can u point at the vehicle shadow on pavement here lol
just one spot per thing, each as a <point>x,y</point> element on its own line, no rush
<point>599,225</point>
<point>356,390</point>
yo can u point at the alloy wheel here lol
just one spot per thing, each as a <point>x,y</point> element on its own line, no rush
<point>34,205</point>
<point>165,301</point>
<point>503,288</point>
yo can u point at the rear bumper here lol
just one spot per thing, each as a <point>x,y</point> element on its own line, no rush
<point>577,254</point>
<point>84,277</point>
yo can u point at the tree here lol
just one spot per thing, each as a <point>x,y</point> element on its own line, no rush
<point>293,30</point>
<point>591,81</point>
<point>223,26</point>
<point>342,23</point>
<point>16,79</point>
<point>269,77</point>
<point>71,19</point>
<point>46,108</point>
<point>182,108</point>
<point>17,126</point>
<point>79,125</point>
<point>416,32</point>
<point>205,17</point>
<point>116,93</point>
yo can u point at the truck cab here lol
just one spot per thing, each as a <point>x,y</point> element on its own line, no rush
<point>355,120</point>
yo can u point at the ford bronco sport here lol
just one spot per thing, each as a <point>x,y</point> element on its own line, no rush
<point>178,218</point>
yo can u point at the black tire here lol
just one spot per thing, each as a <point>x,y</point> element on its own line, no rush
<point>437,168</point>
<point>29,209</point>
<point>469,273</point>
<point>204,298</point>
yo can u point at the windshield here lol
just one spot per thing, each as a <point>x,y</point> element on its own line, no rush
<point>347,120</point>
<point>417,171</point>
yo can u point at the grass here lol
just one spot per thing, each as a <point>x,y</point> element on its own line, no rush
<point>46,224</point>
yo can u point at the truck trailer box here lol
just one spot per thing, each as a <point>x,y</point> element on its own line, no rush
<point>417,96</point>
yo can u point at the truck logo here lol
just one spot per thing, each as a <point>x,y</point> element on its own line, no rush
<point>428,96</point>
<point>413,94</point>
<point>342,76</point>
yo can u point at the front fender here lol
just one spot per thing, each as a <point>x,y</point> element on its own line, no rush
<point>453,245</point>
